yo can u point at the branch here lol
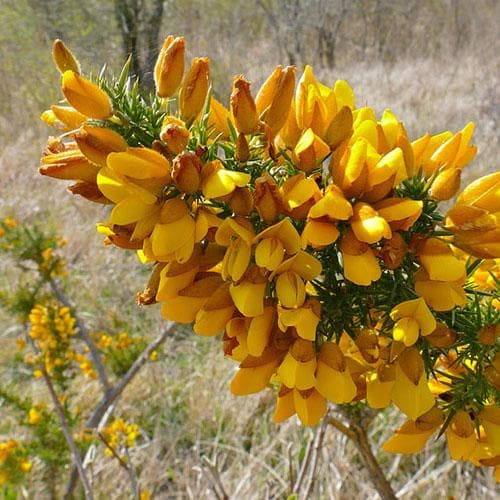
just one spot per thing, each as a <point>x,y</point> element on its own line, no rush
<point>64,426</point>
<point>123,463</point>
<point>357,434</point>
<point>84,334</point>
<point>112,395</point>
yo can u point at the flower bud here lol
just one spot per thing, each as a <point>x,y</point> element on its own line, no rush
<point>69,116</point>
<point>393,251</point>
<point>241,201</point>
<point>489,334</point>
<point>63,58</point>
<point>442,336</point>
<point>446,184</point>
<point>174,134</point>
<point>243,107</point>
<point>85,96</point>
<point>96,143</point>
<point>186,172</point>
<point>267,198</point>
<point>242,152</point>
<point>194,89</point>
<point>169,66</point>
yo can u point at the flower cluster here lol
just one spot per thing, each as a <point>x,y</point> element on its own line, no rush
<point>119,434</point>
<point>306,230</point>
<point>119,351</point>
<point>14,462</point>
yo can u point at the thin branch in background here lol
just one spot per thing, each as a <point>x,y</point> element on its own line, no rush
<point>304,465</point>
<point>357,434</point>
<point>64,426</point>
<point>125,464</point>
<point>291,471</point>
<point>110,397</point>
<point>318,443</point>
<point>216,481</point>
<point>84,334</point>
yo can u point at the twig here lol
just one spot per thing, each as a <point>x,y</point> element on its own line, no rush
<point>123,463</point>
<point>291,472</point>
<point>314,458</point>
<point>84,334</point>
<point>214,471</point>
<point>80,470</point>
<point>304,465</point>
<point>357,434</point>
<point>114,393</point>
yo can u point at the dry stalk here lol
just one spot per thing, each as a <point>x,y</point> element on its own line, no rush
<point>357,434</point>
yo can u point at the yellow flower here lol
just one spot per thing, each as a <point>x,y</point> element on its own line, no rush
<point>412,318</point>
<point>237,235</point>
<point>96,143</point>
<point>412,436</point>
<point>304,319</point>
<point>248,294</point>
<point>360,265</point>
<point>461,436</point>
<point>310,151</point>
<point>410,392</point>
<point>440,295</point>
<point>367,224</point>
<point>218,181</point>
<point>310,406</point>
<point>275,243</point>
<point>194,89</point>
<point>474,219</point>
<point>214,314</point>
<point>379,384</point>
<point>34,416</point>
<point>68,116</point>
<point>438,260</point>
<point>186,172</point>
<point>400,213</point>
<point>259,331</point>
<point>299,366</point>
<point>69,165</point>
<point>86,97</point>
<point>255,372</point>
<point>333,379</point>
<point>169,66</point>
<point>173,237</point>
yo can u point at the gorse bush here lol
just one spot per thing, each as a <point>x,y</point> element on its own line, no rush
<point>307,233</point>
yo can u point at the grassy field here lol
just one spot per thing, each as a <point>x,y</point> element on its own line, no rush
<point>182,401</point>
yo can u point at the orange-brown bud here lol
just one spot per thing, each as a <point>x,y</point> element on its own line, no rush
<point>186,172</point>
<point>242,152</point>
<point>169,66</point>
<point>393,251</point>
<point>89,191</point>
<point>241,201</point>
<point>446,184</point>
<point>97,142</point>
<point>175,134</point>
<point>243,107</point>
<point>194,89</point>
<point>63,58</point>
<point>69,165</point>
<point>489,334</point>
<point>442,336</point>
<point>267,198</point>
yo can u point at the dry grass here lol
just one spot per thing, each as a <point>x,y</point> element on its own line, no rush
<point>182,401</point>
